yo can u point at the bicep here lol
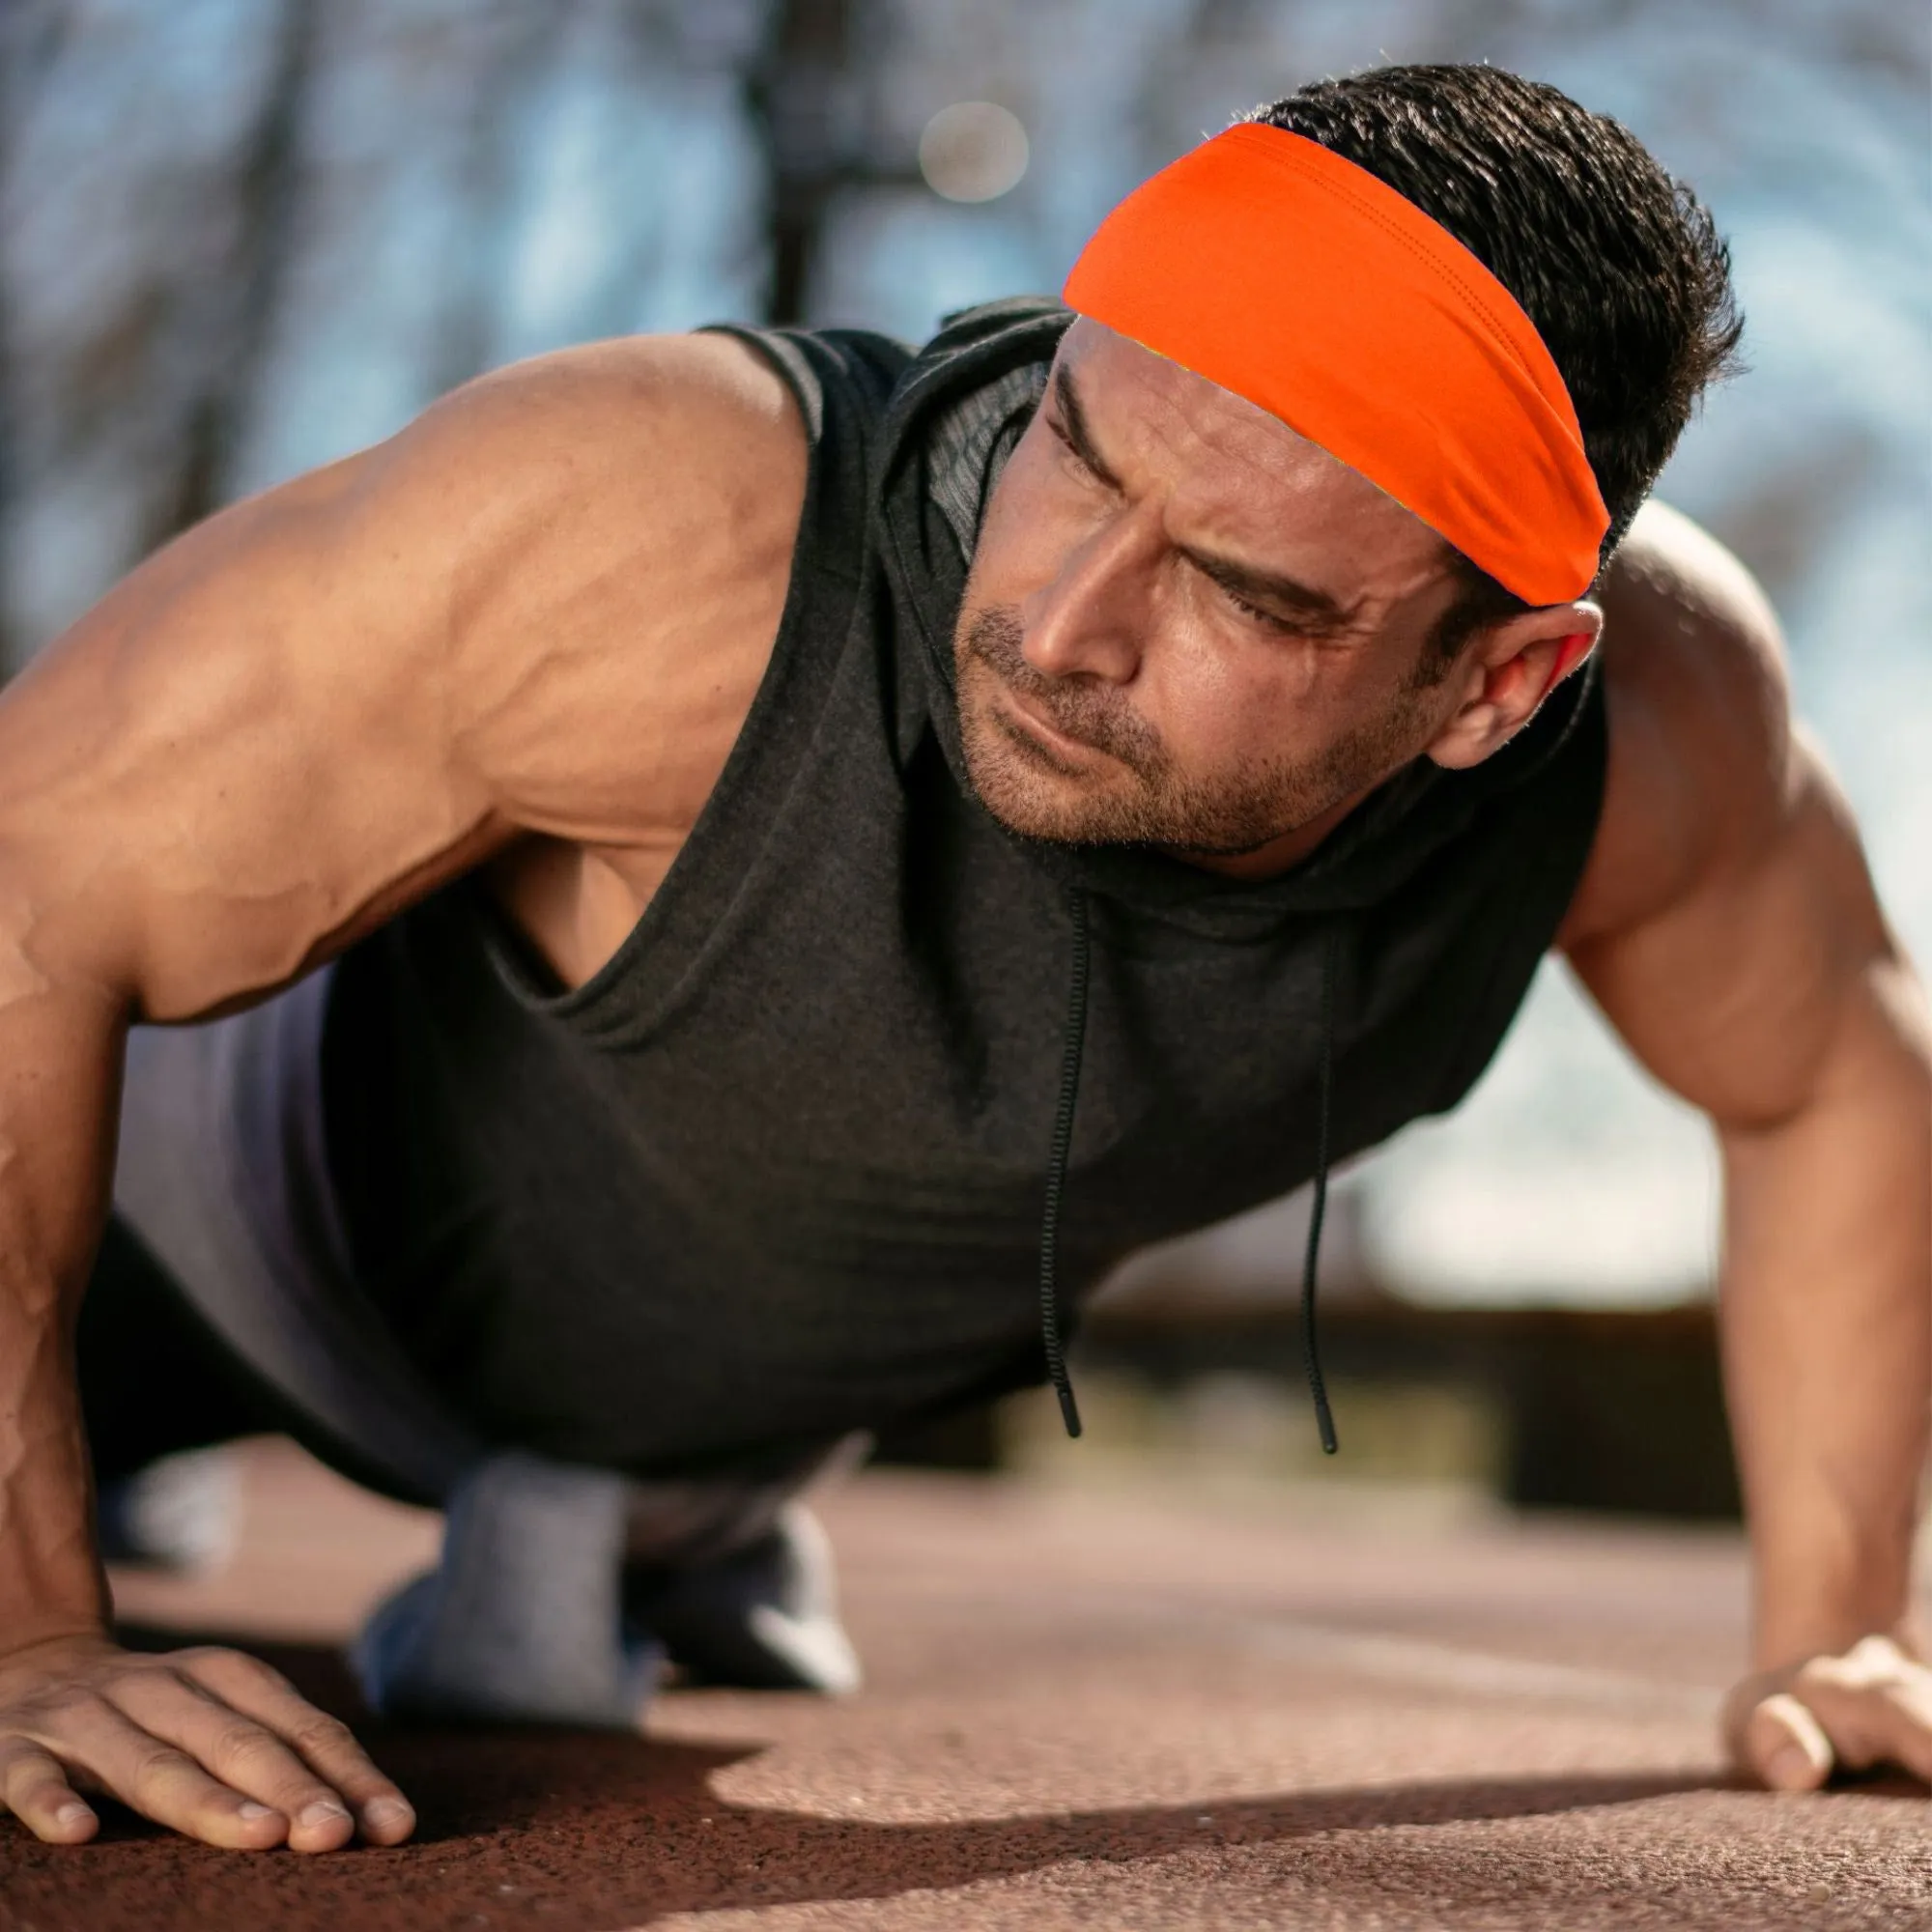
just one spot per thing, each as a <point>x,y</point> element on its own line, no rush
<point>236,759</point>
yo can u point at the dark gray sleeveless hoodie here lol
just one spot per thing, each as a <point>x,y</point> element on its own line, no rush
<point>777,1172</point>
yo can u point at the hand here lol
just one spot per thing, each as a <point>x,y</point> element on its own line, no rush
<point>1792,1728</point>
<point>209,1742</point>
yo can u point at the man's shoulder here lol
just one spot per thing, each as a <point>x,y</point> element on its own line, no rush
<point>626,516</point>
<point>1698,696</point>
<point>616,523</point>
<point>672,425</point>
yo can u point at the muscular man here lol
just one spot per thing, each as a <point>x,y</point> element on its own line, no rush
<point>786,814</point>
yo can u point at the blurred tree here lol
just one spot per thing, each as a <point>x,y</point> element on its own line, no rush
<point>812,93</point>
<point>29,33</point>
<point>146,179</point>
<point>214,218</point>
<point>804,102</point>
<point>261,241</point>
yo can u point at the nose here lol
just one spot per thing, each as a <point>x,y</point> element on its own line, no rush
<point>1091,619</point>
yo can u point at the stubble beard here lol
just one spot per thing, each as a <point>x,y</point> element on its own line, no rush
<point>1143,799</point>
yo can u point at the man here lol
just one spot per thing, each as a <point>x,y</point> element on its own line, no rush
<point>748,925</point>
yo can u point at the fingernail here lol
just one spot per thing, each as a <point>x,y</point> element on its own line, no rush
<point>382,1811</point>
<point>70,1815</point>
<point>321,1812</point>
<point>251,1810</point>
<point>1789,1764</point>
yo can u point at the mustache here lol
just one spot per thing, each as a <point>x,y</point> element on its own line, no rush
<point>1081,708</point>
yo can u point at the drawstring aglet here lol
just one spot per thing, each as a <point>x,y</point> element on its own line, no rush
<point>1069,1413</point>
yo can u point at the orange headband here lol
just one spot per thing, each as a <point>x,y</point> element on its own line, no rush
<point>1276,269</point>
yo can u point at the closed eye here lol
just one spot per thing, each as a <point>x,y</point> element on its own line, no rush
<point>1324,621</point>
<point>1260,615</point>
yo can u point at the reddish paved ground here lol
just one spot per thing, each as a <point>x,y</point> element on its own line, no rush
<point>1096,1709</point>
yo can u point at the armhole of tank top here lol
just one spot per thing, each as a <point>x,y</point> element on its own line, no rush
<point>1583,760</point>
<point>580,1007</point>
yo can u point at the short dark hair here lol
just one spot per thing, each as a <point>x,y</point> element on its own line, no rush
<point>1615,261</point>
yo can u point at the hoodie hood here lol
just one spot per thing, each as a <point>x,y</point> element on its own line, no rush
<point>954,417</point>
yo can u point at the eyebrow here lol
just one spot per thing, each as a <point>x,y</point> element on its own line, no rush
<point>1076,432</point>
<point>1309,609</point>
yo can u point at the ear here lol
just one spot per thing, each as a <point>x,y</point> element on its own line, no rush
<point>1503,681</point>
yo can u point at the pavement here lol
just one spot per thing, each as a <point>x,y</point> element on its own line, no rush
<point>1118,1704</point>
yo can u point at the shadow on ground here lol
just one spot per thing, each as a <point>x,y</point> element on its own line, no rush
<point>593,1830</point>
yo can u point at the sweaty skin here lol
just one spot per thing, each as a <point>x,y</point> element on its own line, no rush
<point>523,634</point>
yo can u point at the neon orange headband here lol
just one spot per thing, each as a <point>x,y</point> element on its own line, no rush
<point>1276,269</point>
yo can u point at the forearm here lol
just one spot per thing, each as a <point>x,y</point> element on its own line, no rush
<point>60,1052</point>
<point>1827,1319</point>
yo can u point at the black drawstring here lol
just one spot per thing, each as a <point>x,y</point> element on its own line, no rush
<point>1311,1354</point>
<point>1075,1039</point>
<point>1056,1168</point>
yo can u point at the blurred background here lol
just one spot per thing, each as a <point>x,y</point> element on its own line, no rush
<point>239,238</point>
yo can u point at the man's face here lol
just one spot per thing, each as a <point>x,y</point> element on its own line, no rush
<point>1186,626</point>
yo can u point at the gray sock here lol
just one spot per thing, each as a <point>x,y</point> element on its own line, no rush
<point>521,1621</point>
<point>535,1614</point>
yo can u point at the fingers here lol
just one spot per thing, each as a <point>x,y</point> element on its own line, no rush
<point>241,1755</point>
<point>34,1787</point>
<point>323,1744</point>
<point>210,1743</point>
<point>1872,1705</point>
<point>1785,1745</point>
<point>83,1730</point>
<point>1875,1704</point>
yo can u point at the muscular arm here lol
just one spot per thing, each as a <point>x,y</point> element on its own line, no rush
<point>528,626</point>
<point>1728,928</point>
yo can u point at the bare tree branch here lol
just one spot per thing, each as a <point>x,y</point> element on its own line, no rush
<point>794,89</point>
<point>31,32</point>
<point>265,240</point>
